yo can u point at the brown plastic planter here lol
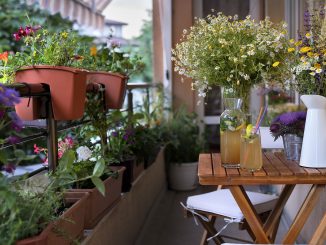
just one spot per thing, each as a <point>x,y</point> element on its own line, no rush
<point>97,204</point>
<point>115,87</point>
<point>67,87</point>
<point>67,228</point>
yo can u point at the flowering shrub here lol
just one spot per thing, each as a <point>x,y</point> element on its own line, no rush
<point>288,123</point>
<point>112,59</point>
<point>236,54</point>
<point>120,142</point>
<point>310,51</point>
<point>10,123</point>
<point>41,48</point>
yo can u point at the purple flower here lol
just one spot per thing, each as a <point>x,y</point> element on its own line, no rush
<point>13,139</point>
<point>8,97</point>
<point>16,123</point>
<point>288,123</point>
<point>292,117</point>
<point>114,134</point>
<point>9,168</point>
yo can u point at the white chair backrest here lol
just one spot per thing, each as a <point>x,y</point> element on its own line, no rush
<point>267,140</point>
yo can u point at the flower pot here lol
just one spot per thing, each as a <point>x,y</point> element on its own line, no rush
<point>183,176</point>
<point>97,204</point>
<point>313,152</point>
<point>67,228</point>
<point>115,87</point>
<point>127,177</point>
<point>67,87</point>
<point>292,146</point>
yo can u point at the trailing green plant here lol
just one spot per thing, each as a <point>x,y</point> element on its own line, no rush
<point>25,213</point>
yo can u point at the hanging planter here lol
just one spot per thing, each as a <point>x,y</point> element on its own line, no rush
<point>67,88</point>
<point>115,87</point>
<point>97,204</point>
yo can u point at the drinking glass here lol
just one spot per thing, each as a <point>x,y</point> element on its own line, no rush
<point>250,151</point>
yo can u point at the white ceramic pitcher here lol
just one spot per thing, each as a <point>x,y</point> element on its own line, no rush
<point>313,153</point>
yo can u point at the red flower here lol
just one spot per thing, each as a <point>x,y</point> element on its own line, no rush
<point>4,56</point>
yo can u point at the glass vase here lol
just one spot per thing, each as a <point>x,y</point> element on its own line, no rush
<point>232,121</point>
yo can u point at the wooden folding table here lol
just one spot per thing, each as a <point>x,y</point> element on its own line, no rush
<point>276,170</point>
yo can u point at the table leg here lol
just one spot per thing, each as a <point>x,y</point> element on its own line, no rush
<point>319,237</point>
<point>272,223</point>
<point>249,213</point>
<point>303,214</point>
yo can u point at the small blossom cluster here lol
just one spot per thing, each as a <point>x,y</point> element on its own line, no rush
<point>84,153</point>
<point>24,32</point>
<point>63,145</point>
<point>310,53</point>
<point>288,123</point>
<point>225,51</point>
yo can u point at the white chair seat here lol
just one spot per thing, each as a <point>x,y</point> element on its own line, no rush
<point>222,202</point>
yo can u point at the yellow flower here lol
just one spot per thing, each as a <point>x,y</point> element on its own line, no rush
<point>291,50</point>
<point>93,50</point>
<point>317,66</point>
<point>308,35</point>
<point>64,34</point>
<point>298,43</point>
<point>305,49</point>
<point>312,73</point>
<point>310,54</point>
<point>319,70</point>
<point>276,63</point>
<point>291,40</point>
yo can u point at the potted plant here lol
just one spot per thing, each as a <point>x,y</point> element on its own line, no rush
<point>183,145</point>
<point>48,58</point>
<point>39,212</point>
<point>120,153</point>
<point>235,54</point>
<point>290,126</point>
<point>112,67</point>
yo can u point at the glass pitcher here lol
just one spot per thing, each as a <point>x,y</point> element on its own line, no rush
<point>232,121</point>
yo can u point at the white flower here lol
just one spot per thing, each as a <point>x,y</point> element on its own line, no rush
<point>246,77</point>
<point>84,153</point>
<point>251,52</point>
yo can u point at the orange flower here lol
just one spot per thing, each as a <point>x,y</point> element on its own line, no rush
<point>4,56</point>
<point>93,50</point>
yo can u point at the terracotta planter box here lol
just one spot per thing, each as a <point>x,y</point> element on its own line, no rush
<point>67,87</point>
<point>67,228</point>
<point>97,204</point>
<point>115,87</point>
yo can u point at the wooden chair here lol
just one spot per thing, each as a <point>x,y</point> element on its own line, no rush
<point>220,203</point>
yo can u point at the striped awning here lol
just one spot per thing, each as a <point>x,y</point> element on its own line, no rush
<point>86,13</point>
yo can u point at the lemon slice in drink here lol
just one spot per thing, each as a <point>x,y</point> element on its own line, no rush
<point>249,130</point>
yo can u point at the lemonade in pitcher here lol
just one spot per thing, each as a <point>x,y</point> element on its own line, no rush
<point>231,123</point>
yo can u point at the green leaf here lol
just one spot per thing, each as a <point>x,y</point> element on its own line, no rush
<point>68,159</point>
<point>99,168</point>
<point>19,154</point>
<point>99,184</point>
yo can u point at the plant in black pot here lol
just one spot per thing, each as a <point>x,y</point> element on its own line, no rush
<point>183,145</point>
